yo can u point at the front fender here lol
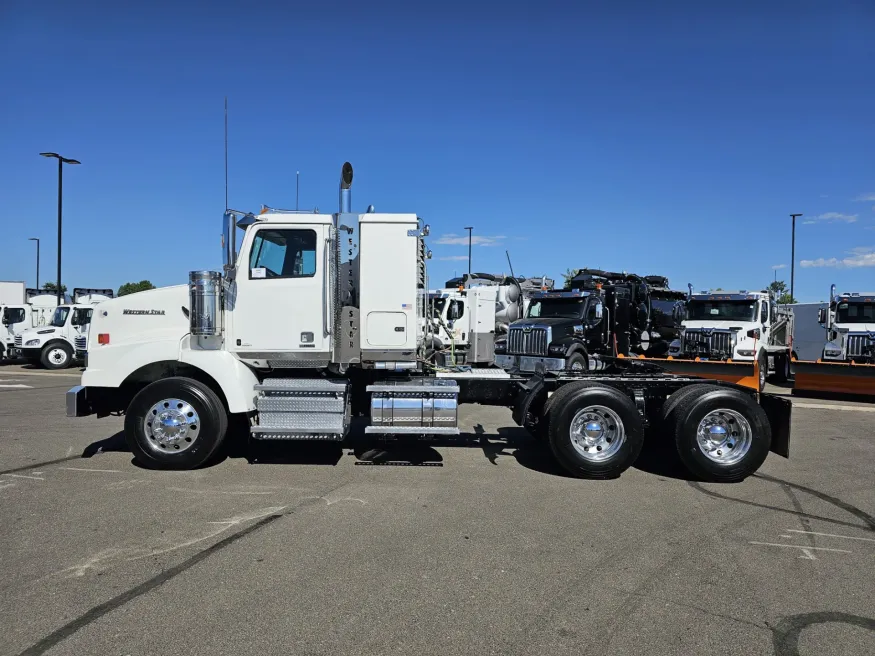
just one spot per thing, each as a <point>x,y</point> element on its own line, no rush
<point>235,378</point>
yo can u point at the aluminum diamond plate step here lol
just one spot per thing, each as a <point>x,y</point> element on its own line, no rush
<point>260,433</point>
<point>302,385</point>
<point>298,404</point>
<point>303,422</point>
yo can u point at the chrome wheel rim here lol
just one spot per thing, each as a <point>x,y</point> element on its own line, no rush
<point>724,436</point>
<point>171,426</point>
<point>597,433</point>
<point>577,366</point>
<point>57,356</point>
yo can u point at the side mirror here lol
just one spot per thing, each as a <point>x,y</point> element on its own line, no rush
<point>594,316</point>
<point>755,333</point>
<point>821,316</point>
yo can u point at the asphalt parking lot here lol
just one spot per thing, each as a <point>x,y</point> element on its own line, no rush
<point>482,548</point>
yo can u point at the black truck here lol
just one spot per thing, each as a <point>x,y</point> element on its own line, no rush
<point>599,313</point>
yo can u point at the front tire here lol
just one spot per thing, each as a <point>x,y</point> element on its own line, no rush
<point>175,423</point>
<point>57,355</point>
<point>577,362</point>
<point>594,430</point>
<point>721,434</point>
<point>764,371</point>
<point>782,368</point>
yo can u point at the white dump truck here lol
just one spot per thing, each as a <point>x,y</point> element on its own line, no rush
<point>55,344</point>
<point>300,333</point>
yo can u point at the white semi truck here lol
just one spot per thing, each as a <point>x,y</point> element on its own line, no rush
<point>33,310</point>
<point>850,326</point>
<point>300,332</point>
<point>55,344</point>
<point>741,326</point>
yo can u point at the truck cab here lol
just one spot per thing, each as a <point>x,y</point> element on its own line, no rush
<point>850,325</point>
<point>559,331</point>
<point>16,318</point>
<point>56,344</point>
<point>739,326</point>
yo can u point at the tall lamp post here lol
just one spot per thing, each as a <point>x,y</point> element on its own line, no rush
<point>469,229</point>
<point>36,239</point>
<point>793,256</point>
<point>61,162</point>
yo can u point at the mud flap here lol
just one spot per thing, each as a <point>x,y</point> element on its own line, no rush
<point>778,410</point>
<point>833,378</point>
<point>529,391</point>
<point>745,374</point>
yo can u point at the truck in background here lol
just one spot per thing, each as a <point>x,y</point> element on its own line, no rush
<point>598,314</point>
<point>55,344</point>
<point>34,310</point>
<point>467,318</point>
<point>739,327</point>
<point>12,292</point>
<point>850,326</point>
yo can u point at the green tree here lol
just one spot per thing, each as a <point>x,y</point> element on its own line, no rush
<point>53,287</point>
<point>569,274</point>
<point>134,287</point>
<point>780,292</point>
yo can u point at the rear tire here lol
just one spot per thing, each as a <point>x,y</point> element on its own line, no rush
<point>175,423</point>
<point>57,355</point>
<point>594,430</point>
<point>782,368</point>
<point>722,434</point>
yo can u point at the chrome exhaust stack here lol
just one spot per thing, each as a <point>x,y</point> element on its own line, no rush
<point>345,188</point>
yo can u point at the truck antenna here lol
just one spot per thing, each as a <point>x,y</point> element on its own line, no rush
<point>507,253</point>
<point>226,152</point>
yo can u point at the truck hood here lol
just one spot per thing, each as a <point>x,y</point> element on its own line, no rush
<point>156,314</point>
<point>41,332</point>
<point>856,327</point>
<point>744,326</point>
<point>547,322</point>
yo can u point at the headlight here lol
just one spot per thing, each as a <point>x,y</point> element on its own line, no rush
<point>675,346</point>
<point>557,349</point>
<point>501,346</point>
<point>746,352</point>
<point>32,342</point>
<point>832,350</point>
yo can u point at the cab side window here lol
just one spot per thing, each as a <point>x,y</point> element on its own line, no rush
<point>764,312</point>
<point>286,253</point>
<point>456,310</point>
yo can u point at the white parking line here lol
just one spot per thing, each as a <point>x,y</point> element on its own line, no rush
<point>41,373</point>
<point>82,469</point>
<point>829,535</point>
<point>805,550</point>
<point>19,386</point>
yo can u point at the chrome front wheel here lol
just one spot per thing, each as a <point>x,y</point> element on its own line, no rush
<point>171,425</point>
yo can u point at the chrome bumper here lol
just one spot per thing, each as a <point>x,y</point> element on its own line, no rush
<point>77,404</point>
<point>529,363</point>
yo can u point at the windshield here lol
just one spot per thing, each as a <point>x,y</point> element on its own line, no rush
<point>438,306</point>
<point>59,318</point>
<point>561,308</point>
<point>12,315</point>
<point>81,316</point>
<point>722,310</point>
<point>856,313</point>
<point>664,311</point>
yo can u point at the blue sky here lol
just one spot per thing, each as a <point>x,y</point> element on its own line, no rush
<point>671,139</point>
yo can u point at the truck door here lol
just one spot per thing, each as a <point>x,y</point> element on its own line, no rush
<point>280,301</point>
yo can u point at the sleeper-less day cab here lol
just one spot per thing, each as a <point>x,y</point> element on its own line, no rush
<point>300,332</point>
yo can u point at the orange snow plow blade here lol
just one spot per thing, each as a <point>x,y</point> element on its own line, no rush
<point>745,374</point>
<point>833,377</point>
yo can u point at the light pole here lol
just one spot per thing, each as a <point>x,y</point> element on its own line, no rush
<point>469,229</point>
<point>61,162</point>
<point>36,239</point>
<point>793,256</point>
